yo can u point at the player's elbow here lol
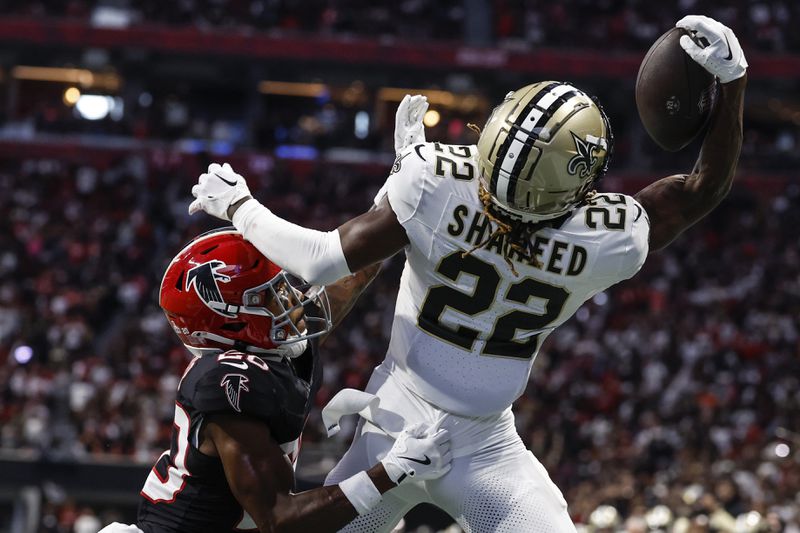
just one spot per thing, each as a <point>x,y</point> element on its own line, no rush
<point>287,516</point>
<point>706,192</point>
<point>281,515</point>
<point>713,196</point>
<point>286,524</point>
<point>326,261</point>
<point>251,496</point>
<point>322,273</point>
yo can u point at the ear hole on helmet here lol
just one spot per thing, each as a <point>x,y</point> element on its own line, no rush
<point>233,326</point>
<point>255,264</point>
<point>204,252</point>
<point>179,283</point>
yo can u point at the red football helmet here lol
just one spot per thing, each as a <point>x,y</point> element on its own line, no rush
<point>220,293</point>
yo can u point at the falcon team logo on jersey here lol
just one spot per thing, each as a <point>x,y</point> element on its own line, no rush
<point>204,278</point>
<point>584,161</point>
<point>234,384</point>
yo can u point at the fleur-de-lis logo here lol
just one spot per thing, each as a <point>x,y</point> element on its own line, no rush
<point>585,160</point>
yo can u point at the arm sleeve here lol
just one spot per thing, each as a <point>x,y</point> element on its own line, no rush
<point>315,256</point>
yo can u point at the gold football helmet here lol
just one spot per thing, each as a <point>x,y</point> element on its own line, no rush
<point>542,149</point>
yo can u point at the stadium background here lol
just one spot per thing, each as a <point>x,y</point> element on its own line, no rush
<point>667,403</point>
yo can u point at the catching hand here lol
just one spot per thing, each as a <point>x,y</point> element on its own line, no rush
<point>408,127</point>
<point>714,46</point>
<point>217,189</point>
<point>418,455</point>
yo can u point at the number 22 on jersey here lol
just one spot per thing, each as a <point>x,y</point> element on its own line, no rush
<point>502,341</point>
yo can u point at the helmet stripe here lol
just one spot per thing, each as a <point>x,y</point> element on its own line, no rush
<point>503,150</point>
<point>522,158</point>
<point>518,142</point>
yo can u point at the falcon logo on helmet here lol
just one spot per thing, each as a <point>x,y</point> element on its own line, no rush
<point>234,384</point>
<point>204,278</point>
<point>219,293</point>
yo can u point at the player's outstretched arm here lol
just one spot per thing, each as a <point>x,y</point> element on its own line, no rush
<point>343,294</point>
<point>677,202</point>
<point>318,257</point>
<point>261,478</point>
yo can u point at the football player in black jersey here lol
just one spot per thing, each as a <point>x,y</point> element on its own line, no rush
<point>243,400</point>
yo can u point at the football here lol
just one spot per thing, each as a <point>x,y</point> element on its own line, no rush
<point>674,95</point>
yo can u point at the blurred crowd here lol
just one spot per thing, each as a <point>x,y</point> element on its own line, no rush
<point>679,387</point>
<point>630,25</point>
<point>89,364</point>
<point>335,106</point>
<point>634,24</point>
<point>669,399</point>
<point>305,128</point>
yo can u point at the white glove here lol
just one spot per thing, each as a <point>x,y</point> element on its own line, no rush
<point>714,46</point>
<point>217,189</point>
<point>408,127</point>
<point>417,455</point>
<point>116,527</point>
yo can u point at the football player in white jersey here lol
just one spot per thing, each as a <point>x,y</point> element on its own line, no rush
<point>504,241</point>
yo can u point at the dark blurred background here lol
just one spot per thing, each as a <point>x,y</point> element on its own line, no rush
<point>669,403</point>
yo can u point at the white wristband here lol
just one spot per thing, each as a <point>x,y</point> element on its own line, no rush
<point>315,256</point>
<point>361,492</point>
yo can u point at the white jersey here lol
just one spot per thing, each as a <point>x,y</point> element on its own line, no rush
<point>466,329</point>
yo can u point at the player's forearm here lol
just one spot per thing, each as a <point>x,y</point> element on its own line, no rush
<point>343,294</point>
<point>713,174</point>
<point>321,509</point>
<point>315,256</point>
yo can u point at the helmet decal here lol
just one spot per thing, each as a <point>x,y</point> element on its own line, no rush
<point>531,165</point>
<point>584,161</point>
<point>219,292</point>
<point>234,384</point>
<point>204,278</point>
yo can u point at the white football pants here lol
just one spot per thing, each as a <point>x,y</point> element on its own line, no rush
<point>495,485</point>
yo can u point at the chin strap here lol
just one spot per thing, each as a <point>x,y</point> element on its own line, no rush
<point>290,350</point>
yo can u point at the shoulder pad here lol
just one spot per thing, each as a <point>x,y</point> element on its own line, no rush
<point>233,382</point>
<point>415,154</point>
<point>406,158</point>
<point>618,223</point>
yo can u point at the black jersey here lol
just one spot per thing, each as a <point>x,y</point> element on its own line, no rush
<point>186,490</point>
